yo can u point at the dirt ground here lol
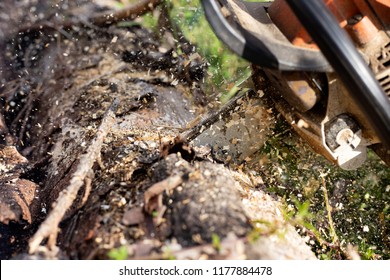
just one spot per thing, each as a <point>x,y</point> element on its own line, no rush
<point>93,163</point>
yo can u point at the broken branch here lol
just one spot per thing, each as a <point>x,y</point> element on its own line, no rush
<point>49,228</point>
<point>158,188</point>
<point>130,12</point>
<point>106,18</point>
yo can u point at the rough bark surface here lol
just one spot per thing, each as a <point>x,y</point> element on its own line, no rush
<point>147,190</point>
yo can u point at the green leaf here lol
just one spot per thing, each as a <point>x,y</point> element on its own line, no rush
<point>118,253</point>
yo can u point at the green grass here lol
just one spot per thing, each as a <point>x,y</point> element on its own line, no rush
<point>359,199</point>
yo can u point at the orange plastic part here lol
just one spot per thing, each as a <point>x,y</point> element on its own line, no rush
<point>360,18</point>
<point>287,22</point>
<point>382,10</point>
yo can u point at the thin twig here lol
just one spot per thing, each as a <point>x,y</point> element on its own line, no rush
<point>127,13</point>
<point>49,228</point>
<point>319,239</point>
<point>102,19</point>
<point>158,188</point>
<point>88,185</point>
<point>333,234</point>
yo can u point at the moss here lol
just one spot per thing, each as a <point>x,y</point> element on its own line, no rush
<point>359,199</point>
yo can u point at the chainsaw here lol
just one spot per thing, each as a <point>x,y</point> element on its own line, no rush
<point>324,64</point>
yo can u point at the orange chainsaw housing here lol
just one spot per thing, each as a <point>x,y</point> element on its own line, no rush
<point>360,18</point>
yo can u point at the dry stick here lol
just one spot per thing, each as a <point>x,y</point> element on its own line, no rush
<point>49,228</point>
<point>106,18</point>
<point>88,185</point>
<point>158,188</point>
<point>333,233</point>
<point>130,12</point>
<point>349,252</point>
